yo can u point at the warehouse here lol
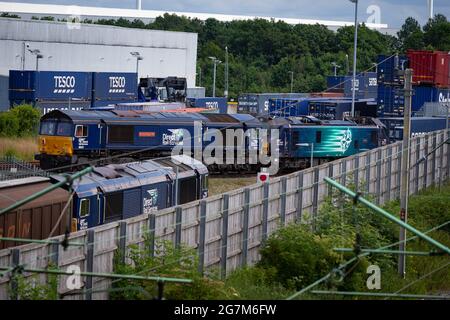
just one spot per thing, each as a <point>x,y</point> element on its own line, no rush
<point>93,48</point>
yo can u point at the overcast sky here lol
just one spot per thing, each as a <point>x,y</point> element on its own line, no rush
<point>393,12</point>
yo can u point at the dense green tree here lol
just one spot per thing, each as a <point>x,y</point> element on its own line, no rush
<point>411,35</point>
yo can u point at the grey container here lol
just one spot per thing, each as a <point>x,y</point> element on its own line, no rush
<point>258,103</point>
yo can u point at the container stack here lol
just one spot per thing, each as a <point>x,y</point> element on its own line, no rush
<point>66,90</point>
<point>365,87</point>
<point>431,81</point>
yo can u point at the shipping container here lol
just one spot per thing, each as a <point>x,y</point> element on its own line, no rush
<point>289,107</point>
<point>391,99</point>
<point>338,109</point>
<point>430,67</point>
<point>336,83</point>
<point>152,106</point>
<point>366,86</point>
<point>110,88</point>
<point>258,103</point>
<point>326,95</point>
<point>47,86</point>
<point>419,126</point>
<point>389,67</point>
<point>220,103</point>
<point>197,92</point>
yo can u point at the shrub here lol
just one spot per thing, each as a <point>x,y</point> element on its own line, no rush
<point>297,256</point>
<point>20,121</point>
<point>168,261</point>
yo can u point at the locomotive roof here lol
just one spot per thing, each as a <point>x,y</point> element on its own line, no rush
<point>135,116</point>
<point>117,177</point>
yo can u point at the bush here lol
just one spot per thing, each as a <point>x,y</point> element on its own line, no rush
<point>169,262</point>
<point>20,121</point>
<point>297,256</point>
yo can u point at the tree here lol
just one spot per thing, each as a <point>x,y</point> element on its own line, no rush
<point>437,33</point>
<point>410,35</point>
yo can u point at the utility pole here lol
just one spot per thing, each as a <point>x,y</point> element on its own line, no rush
<point>226,73</point>
<point>215,62</point>
<point>404,184</point>
<point>292,80</point>
<point>354,56</point>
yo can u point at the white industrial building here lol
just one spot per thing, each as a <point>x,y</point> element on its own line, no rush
<point>87,47</point>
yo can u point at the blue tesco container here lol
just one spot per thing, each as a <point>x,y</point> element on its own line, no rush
<point>40,86</point>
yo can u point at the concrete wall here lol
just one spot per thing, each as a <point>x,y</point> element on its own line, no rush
<point>95,48</point>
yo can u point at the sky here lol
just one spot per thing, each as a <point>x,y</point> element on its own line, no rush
<point>392,12</point>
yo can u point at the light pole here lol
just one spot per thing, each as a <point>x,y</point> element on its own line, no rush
<point>226,73</point>
<point>292,79</point>
<point>312,149</point>
<point>215,62</point>
<point>335,67</point>
<point>354,56</point>
<point>200,77</point>
<point>348,64</point>
<point>38,55</point>
<point>138,57</point>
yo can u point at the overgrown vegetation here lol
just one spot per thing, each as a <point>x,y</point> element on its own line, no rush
<point>18,130</point>
<point>295,256</point>
<point>20,121</point>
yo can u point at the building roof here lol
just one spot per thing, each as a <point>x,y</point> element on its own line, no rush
<point>46,9</point>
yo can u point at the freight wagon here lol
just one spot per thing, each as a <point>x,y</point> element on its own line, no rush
<point>109,193</point>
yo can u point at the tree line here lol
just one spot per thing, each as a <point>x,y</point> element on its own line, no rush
<point>262,53</point>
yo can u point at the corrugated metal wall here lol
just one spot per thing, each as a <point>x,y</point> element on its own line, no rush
<point>95,48</point>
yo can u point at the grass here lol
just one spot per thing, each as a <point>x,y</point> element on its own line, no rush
<point>22,148</point>
<point>221,185</point>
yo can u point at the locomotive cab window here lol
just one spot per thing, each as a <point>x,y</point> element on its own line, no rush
<point>84,207</point>
<point>81,131</point>
<point>64,129</point>
<point>318,136</point>
<point>48,128</point>
<point>373,137</point>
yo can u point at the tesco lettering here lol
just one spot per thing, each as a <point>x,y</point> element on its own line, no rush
<point>117,82</point>
<point>64,82</point>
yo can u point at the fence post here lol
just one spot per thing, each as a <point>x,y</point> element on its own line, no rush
<point>202,236</point>
<point>368,172</point>
<point>379,160</point>
<point>265,216</point>
<point>15,256</point>
<point>298,217</point>
<point>178,224</point>
<point>356,172</point>
<point>224,244</point>
<point>315,196</point>
<point>152,233</point>
<point>399,168</point>
<point>330,175</point>
<point>89,263</point>
<point>122,240</point>
<point>283,201</point>
<point>425,165</point>
<point>433,176</point>
<point>389,174</point>
<point>245,212</point>
<point>344,172</point>
<point>417,165</point>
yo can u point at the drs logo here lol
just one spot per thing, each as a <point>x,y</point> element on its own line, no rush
<point>117,84</point>
<point>64,84</point>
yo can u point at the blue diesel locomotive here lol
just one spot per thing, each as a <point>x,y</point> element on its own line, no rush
<point>121,191</point>
<point>76,137</point>
<point>306,139</point>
